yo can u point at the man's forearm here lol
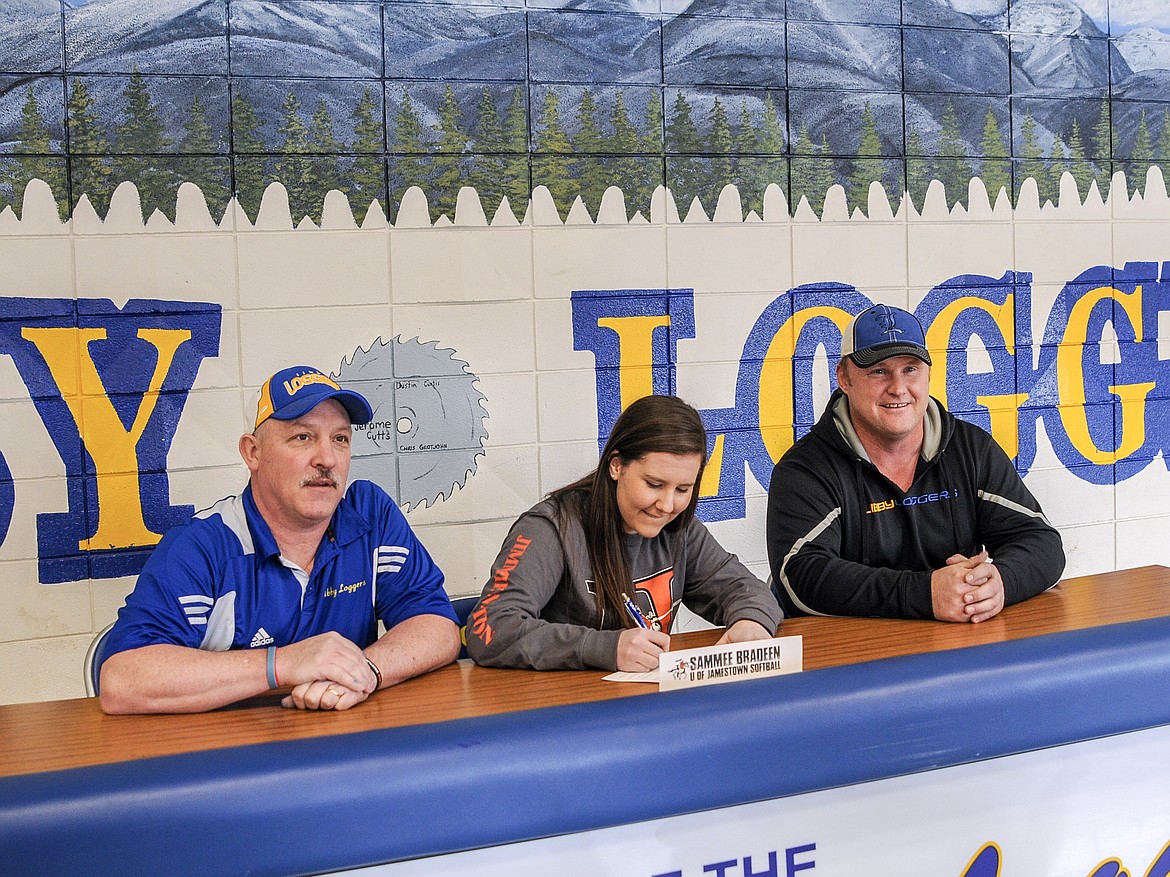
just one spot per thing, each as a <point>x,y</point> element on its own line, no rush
<point>177,679</point>
<point>414,646</point>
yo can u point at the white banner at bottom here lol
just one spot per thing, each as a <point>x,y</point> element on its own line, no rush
<point>1087,809</point>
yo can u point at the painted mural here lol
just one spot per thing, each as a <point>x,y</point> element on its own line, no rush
<point>1104,414</point>
<point>370,98</point>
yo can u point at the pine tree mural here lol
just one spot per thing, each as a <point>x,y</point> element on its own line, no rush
<point>1098,151</point>
<point>34,158</point>
<point>487,172</point>
<point>618,136</point>
<point>1162,150</point>
<point>721,141</point>
<point>802,152</point>
<point>410,136</point>
<point>449,151</point>
<point>745,149</point>
<point>771,166</point>
<point>555,151</point>
<point>652,145</point>
<point>369,167</point>
<point>995,168</point>
<point>868,167</point>
<point>812,171</point>
<point>248,156</point>
<point>198,165</point>
<point>324,172</point>
<point>90,172</point>
<point>827,170</point>
<point>919,171</point>
<point>516,177</point>
<point>1059,164</point>
<point>745,137</point>
<point>1078,164</point>
<point>685,168</point>
<point>1031,158</point>
<point>652,135</point>
<point>411,140</point>
<point>293,168</point>
<point>627,172</point>
<point>953,165</point>
<point>1141,156</point>
<point>141,139</point>
<point>588,143</point>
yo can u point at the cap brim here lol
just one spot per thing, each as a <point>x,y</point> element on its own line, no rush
<point>874,355</point>
<point>355,405</point>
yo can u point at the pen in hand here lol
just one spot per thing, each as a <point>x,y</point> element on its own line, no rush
<point>634,613</point>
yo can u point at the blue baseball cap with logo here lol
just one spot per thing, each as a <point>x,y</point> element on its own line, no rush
<point>299,389</point>
<point>883,331</point>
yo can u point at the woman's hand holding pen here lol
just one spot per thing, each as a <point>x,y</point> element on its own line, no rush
<point>639,647</point>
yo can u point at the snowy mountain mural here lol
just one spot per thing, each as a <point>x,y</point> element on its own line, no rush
<point>372,97</point>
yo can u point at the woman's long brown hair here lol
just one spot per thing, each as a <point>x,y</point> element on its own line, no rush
<point>664,424</point>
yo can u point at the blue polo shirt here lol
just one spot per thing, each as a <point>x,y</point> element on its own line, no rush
<point>218,581</point>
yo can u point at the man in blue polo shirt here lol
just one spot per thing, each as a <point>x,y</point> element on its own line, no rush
<point>283,586</point>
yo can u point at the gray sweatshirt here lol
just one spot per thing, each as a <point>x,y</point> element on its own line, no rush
<point>538,609</point>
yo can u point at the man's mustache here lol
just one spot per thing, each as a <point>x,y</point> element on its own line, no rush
<point>322,478</point>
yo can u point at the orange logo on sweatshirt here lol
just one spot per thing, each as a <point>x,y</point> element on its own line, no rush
<point>653,596</point>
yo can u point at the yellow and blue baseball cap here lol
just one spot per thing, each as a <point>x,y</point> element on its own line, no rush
<point>883,331</point>
<point>299,389</point>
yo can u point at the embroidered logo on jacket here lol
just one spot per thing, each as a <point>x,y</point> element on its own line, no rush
<point>345,589</point>
<point>921,499</point>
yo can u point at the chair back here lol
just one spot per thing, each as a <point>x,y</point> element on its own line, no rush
<point>93,661</point>
<point>463,607</point>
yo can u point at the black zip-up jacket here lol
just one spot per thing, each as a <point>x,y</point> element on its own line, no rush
<point>845,540</point>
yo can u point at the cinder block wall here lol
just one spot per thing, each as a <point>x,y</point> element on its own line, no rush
<point>496,295</point>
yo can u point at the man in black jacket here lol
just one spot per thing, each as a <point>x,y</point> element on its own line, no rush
<point>892,507</point>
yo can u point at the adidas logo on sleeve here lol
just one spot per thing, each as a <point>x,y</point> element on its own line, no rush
<point>262,638</point>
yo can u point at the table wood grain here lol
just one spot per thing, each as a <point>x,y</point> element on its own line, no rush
<point>64,734</point>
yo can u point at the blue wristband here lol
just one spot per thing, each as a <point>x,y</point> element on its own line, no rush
<point>272,683</point>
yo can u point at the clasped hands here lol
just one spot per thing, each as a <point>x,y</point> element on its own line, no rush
<point>967,589</point>
<point>327,672</point>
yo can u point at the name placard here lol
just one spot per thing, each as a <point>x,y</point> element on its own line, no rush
<point>732,662</point>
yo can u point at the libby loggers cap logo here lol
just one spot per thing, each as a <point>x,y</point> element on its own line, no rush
<point>888,322</point>
<point>293,385</point>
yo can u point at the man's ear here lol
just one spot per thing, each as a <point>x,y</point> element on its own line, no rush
<point>842,373</point>
<point>250,451</point>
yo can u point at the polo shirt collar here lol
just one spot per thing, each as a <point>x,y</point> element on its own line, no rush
<point>262,539</point>
<point>345,526</point>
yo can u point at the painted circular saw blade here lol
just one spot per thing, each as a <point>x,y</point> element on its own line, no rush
<point>427,429</point>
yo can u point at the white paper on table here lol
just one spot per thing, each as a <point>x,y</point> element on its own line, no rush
<point>627,676</point>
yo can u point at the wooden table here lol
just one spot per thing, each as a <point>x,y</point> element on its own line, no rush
<point>466,760</point>
<point>56,735</point>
